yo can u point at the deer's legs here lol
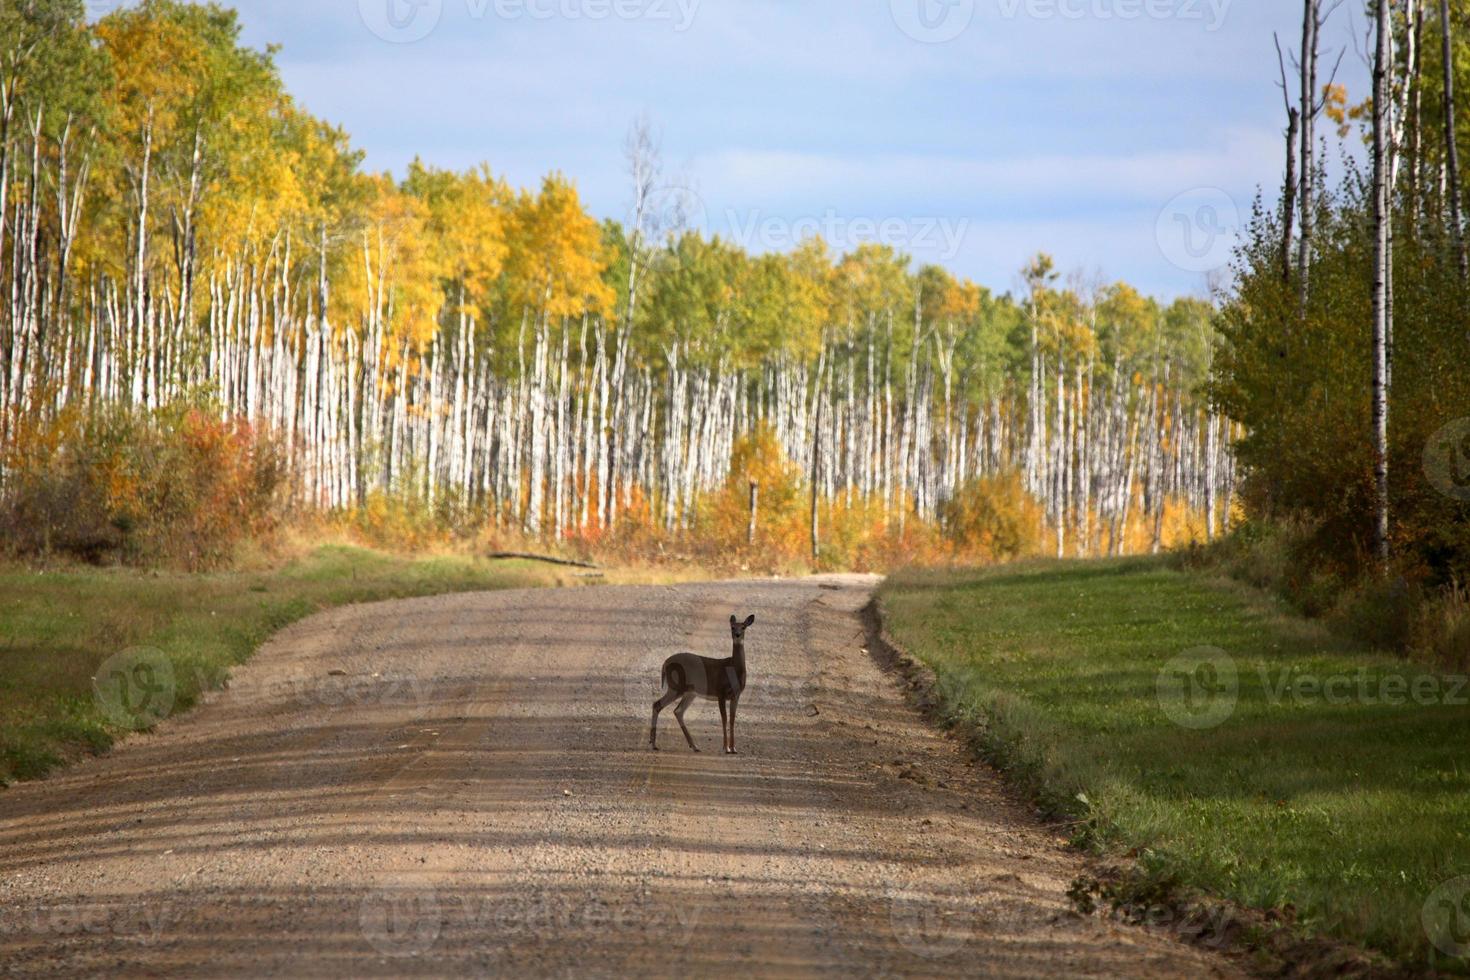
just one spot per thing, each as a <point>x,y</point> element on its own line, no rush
<point>669,698</point>
<point>679,716</point>
<point>724,728</point>
<point>730,746</point>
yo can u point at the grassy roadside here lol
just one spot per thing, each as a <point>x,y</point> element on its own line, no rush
<point>58,626</point>
<point>1231,746</point>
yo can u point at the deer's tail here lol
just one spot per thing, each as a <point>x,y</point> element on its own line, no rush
<point>674,677</point>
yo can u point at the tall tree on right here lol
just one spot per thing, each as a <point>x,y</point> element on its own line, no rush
<point>1452,151</point>
<point>1382,258</point>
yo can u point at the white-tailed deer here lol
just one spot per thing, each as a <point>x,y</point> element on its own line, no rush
<point>686,677</point>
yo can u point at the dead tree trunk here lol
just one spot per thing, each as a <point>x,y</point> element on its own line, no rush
<point>1288,196</point>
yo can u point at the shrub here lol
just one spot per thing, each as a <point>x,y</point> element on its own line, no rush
<point>1398,612</point>
<point>1260,555</point>
<point>783,515</point>
<point>55,496</point>
<point>993,519</point>
<point>1444,628</point>
<point>178,487</point>
<point>396,523</point>
<point>1381,612</point>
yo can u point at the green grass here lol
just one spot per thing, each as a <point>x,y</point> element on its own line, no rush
<point>1345,812</point>
<point>58,627</point>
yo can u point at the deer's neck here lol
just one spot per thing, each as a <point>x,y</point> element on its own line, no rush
<point>739,655</point>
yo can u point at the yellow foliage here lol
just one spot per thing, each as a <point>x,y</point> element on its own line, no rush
<point>724,516</point>
<point>961,302</point>
<point>555,262</point>
<point>396,274</point>
<point>158,66</point>
<point>994,519</point>
<point>395,523</point>
<point>861,534</point>
<point>467,218</point>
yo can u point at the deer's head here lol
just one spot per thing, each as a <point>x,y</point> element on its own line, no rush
<point>737,628</point>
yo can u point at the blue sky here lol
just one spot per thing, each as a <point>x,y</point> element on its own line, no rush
<point>972,133</point>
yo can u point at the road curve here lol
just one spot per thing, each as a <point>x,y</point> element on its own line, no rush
<point>462,785</point>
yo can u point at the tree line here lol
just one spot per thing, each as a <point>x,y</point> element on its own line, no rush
<point>175,228</point>
<point>1344,344</point>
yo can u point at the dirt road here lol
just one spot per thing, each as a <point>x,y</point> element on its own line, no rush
<point>462,785</point>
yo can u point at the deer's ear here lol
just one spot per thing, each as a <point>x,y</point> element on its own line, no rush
<point>733,620</point>
<point>749,621</point>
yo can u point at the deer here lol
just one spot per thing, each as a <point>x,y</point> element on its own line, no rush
<point>686,677</point>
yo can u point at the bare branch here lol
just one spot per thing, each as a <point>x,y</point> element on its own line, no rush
<point>1281,60</point>
<point>1331,79</point>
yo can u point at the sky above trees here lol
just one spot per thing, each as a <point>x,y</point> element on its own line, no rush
<point>1065,125</point>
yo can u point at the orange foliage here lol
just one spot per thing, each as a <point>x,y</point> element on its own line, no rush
<point>181,488</point>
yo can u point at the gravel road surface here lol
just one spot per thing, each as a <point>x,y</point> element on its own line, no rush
<point>462,786</point>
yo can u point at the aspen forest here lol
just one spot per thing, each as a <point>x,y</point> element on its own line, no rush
<point>181,240</point>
